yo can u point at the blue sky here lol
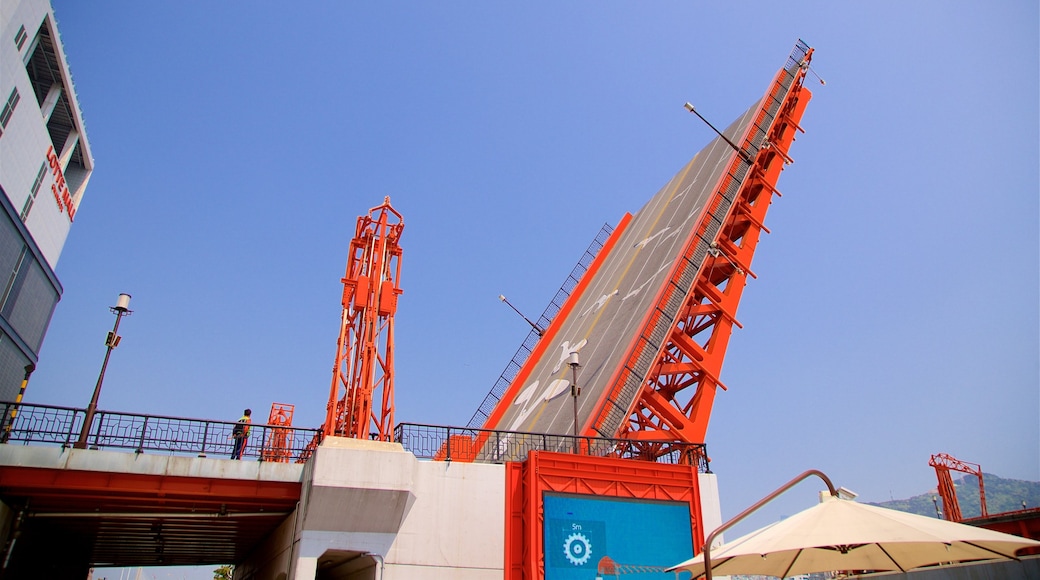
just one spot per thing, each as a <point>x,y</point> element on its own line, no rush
<point>895,314</point>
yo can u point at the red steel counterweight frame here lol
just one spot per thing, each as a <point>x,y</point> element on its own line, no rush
<point>365,351</point>
<point>943,464</point>
<point>676,398</point>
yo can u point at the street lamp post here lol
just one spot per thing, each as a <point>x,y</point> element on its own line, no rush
<point>572,360</point>
<point>121,309</point>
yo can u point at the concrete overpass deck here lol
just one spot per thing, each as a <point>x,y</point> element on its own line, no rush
<point>135,509</point>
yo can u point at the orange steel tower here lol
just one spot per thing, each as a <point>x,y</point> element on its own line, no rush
<point>365,350</point>
<point>943,465</point>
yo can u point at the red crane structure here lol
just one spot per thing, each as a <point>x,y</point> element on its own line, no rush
<point>943,465</point>
<point>364,367</point>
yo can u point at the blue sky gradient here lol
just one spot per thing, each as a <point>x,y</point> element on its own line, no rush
<point>895,314</point>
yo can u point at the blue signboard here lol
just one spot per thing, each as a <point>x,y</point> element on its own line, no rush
<point>581,530</point>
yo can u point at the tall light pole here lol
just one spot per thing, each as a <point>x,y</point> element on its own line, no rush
<point>572,360</point>
<point>536,328</point>
<point>121,309</point>
<point>740,152</point>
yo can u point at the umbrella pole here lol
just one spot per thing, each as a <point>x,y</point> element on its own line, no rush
<point>711,537</point>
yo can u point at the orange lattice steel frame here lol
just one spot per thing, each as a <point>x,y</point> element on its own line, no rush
<point>279,441</point>
<point>675,400</point>
<point>365,350</point>
<point>943,464</point>
<point>544,471</point>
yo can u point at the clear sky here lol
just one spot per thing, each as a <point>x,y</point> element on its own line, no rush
<point>895,314</point>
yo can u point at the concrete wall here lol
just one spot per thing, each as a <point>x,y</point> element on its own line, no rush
<point>711,507</point>
<point>372,510</point>
<point>464,505</point>
<point>145,464</point>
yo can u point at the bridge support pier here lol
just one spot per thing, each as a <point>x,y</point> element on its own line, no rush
<point>369,510</point>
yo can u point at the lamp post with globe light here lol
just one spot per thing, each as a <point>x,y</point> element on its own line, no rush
<point>121,309</point>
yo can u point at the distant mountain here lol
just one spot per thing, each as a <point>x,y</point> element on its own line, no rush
<point>1002,495</point>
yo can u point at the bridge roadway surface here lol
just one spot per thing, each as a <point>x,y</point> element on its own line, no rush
<point>627,286</point>
<point>136,509</point>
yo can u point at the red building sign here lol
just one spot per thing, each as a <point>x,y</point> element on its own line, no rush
<point>60,190</point>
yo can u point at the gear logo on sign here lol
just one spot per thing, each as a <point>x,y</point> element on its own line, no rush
<point>577,548</point>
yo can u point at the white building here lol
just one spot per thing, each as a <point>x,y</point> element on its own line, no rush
<point>45,163</point>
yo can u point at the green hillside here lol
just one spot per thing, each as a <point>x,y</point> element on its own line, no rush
<point>1002,495</point>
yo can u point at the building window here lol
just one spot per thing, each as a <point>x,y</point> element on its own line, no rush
<point>5,115</point>
<point>32,192</point>
<point>20,37</point>
<point>12,278</point>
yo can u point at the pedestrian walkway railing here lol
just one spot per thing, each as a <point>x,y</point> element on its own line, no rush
<point>30,424</point>
<point>26,424</point>
<point>489,446</point>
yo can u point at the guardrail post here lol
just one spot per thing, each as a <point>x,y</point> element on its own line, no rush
<point>72,427</point>
<point>205,435</point>
<point>448,446</point>
<point>144,431</point>
<point>97,432</point>
<point>8,423</point>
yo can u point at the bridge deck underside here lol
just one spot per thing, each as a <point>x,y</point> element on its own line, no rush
<point>121,519</point>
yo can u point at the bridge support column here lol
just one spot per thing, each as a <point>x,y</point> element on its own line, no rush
<point>306,569</point>
<point>369,510</point>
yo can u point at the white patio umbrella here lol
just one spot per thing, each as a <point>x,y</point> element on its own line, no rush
<point>840,534</point>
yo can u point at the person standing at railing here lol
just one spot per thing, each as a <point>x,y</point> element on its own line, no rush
<point>240,434</point>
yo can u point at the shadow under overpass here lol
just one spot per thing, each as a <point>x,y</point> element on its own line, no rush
<point>64,510</point>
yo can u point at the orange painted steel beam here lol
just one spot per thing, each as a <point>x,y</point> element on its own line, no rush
<point>65,489</point>
<point>364,367</point>
<point>944,464</point>
<point>690,359</point>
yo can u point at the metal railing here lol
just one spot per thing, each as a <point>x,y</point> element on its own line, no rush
<point>488,446</point>
<point>52,425</point>
<point>46,424</point>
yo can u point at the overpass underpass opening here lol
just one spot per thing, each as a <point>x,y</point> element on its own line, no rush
<point>146,515</point>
